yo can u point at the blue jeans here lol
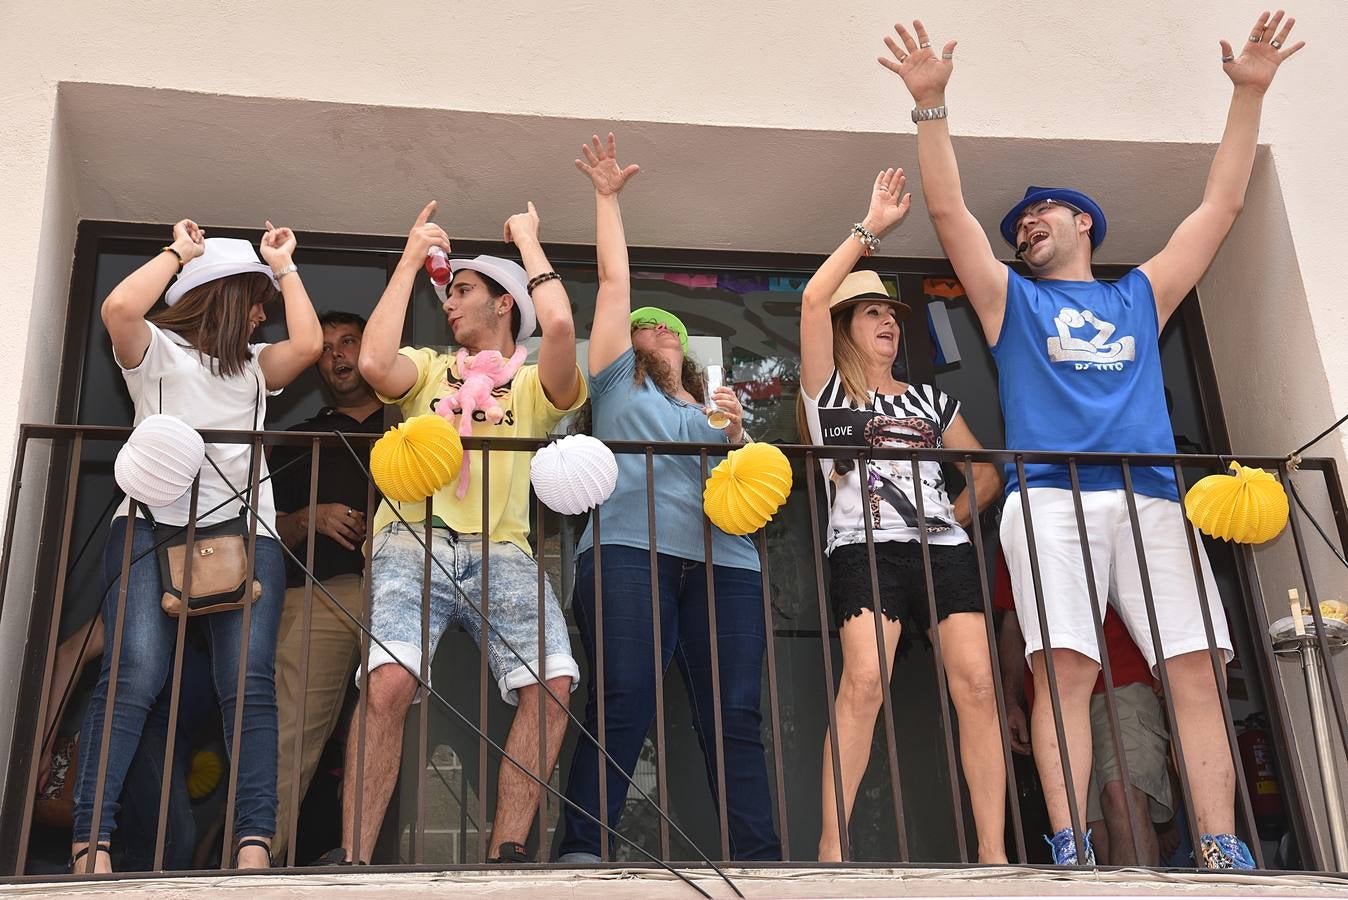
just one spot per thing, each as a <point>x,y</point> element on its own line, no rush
<point>630,685</point>
<point>148,638</point>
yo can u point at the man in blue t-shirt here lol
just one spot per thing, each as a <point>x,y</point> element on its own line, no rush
<point>1080,370</point>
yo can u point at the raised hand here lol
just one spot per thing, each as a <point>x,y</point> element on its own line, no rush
<point>923,73</point>
<point>424,235</point>
<point>278,246</point>
<point>522,227</point>
<point>189,239</point>
<point>1261,54</point>
<point>889,204</point>
<point>601,164</point>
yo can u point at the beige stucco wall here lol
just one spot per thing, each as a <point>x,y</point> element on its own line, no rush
<point>346,116</point>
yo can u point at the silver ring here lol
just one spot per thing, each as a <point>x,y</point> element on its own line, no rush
<point>902,58</point>
<point>349,513</point>
<point>1256,38</point>
<point>1276,45</point>
<point>924,45</point>
<point>1228,58</point>
<point>947,56</point>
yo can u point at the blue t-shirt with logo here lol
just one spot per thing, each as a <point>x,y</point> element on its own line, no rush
<point>626,411</point>
<point>1079,369</point>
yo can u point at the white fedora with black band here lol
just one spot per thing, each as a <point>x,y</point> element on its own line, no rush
<point>509,275</point>
<point>223,257</point>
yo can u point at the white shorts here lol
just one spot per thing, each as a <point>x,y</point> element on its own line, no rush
<point>1062,573</point>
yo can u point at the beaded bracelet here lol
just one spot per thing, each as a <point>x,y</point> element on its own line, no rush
<point>170,249</point>
<point>539,279</point>
<point>869,241</point>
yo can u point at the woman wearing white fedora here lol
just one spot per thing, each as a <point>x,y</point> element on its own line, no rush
<point>849,340</point>
<point>194,360</point>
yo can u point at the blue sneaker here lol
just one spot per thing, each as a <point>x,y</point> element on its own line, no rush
<point>1224,851</point>
<point>1065,848</point>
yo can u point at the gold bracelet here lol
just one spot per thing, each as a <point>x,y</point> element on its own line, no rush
<point>181,262</point>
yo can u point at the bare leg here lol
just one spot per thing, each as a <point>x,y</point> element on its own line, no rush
<point>1114,802</point>
<point>390,689</point>
<point>517,793</point>
<point>254,857</point>
<point>968,666</point>
<point>1076,676</point>
<point>100,860</point>
<point>858,703</point>
<point>1202,734</point>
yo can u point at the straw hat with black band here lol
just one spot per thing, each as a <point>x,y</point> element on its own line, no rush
<point>861,286</point>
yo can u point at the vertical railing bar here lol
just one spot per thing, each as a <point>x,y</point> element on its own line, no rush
<point>1219,674</point>
<point>658,654</point>
<point>544,845</point>
<point>718,726</point>
<point>1176,744</point>
<point>601,726</point>
<point>175,692</point>
<point>994,655</point>
<point>484,603</point>
<point>1074,813</point>
<point>1313,599</point>
<point>1106,666</point>
<point>363,701</point>
<point>423,710</point>
<point>311,529</point>
<point>100,783</point>
<point>844,845</point>
<point>241,683</point>
<point>53,633</point>
<point>779,772</point>
<point>15,485</point>
<point>877,610</point>
<point>942,688</point>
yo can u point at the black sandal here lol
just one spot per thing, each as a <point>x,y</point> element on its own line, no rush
<point>252,842</point>
<point>102,847</point>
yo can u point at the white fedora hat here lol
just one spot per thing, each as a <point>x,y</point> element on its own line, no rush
<point>509,275</point>
<point>223,257</point>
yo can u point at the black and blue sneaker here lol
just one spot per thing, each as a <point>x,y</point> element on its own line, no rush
<point>1224,851</point>
<point>1065,848</point>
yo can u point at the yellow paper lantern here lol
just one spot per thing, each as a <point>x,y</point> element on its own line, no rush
<point>1248,507</point>
<point>416,458</point>
<point>204,773</point>
<point>747,488</point>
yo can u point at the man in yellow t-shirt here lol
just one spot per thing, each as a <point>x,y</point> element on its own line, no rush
<point>489,307</point>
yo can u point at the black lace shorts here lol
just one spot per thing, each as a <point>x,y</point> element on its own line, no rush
<point>903,586</point>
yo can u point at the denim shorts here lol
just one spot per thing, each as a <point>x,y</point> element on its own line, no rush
<point>456,598</point>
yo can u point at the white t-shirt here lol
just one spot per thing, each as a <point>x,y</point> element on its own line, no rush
<point>916,418</point>
<point>203,399</point>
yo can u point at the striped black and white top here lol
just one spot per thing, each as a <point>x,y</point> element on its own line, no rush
<point>916,418</point>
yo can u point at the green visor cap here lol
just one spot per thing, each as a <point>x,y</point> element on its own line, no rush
<point>654,315</point>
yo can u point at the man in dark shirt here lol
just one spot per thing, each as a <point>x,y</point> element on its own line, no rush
<point>338,563</point>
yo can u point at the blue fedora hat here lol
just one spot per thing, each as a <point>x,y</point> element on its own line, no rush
<point>1066,196</point>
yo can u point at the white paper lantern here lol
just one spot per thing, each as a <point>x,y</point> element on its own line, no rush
<point>159,460</point>
<point>574,475</point>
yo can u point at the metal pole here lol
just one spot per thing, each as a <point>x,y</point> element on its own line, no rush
<point>1312,667</point>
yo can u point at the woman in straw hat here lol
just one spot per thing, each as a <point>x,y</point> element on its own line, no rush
<point>644,386</point>
<point>849,340</point>
<point>194,360</point>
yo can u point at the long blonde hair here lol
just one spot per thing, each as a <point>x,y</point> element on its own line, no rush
<point>847,359</point>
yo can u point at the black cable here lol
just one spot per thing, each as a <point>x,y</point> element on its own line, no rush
<point>1291,486</point>
<point>432,692</point>
<point>1318,437</point>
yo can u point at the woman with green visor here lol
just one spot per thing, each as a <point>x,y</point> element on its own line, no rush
<point>645,387</point>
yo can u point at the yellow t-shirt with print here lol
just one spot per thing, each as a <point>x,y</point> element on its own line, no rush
<point>528,413</point>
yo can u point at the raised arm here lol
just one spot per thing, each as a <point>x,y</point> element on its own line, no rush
<point>383,368</point>
<point>888,207</point>
<point>124,309</point>
<point>965,242</point>
<point>283,361</point>
<point>1184,259</point>
<point>611,333</point>
<point>557,355</point>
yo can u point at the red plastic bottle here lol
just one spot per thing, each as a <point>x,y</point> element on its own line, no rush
<point>437,266</point>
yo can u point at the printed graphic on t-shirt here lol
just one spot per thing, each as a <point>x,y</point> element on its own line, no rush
<point>450,385</point>
<point>904,422</point>
<point>1085,349</point>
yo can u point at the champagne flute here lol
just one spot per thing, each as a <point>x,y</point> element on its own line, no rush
<point>716,417</point>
